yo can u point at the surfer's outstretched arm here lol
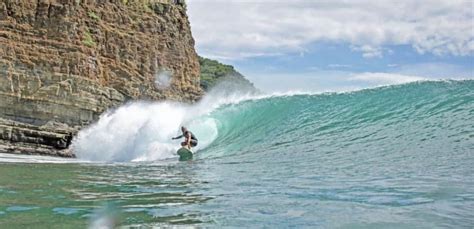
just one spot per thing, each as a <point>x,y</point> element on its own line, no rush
<point>178,137</point>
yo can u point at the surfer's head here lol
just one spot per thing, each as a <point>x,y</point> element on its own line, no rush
<point>183,129</point>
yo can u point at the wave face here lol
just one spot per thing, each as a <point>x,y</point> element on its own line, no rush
<point>423,117</point>
<point>430,121</point>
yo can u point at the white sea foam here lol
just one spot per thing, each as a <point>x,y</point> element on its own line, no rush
<point>18,158</point>
<point>142,131</point>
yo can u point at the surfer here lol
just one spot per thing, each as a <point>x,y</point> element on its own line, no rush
<point>189,139</point>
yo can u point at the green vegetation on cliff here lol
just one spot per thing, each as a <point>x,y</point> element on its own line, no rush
<point>88,40</point>
<point>213,72</point>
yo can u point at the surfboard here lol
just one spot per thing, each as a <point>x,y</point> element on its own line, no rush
<point>185,154</point>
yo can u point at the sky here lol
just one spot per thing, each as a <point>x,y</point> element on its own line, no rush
<point>336,45</point>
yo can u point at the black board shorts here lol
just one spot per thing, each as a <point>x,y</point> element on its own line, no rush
<point>193,143</point>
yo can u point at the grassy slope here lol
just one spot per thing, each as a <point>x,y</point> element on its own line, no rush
<point>213,72</point>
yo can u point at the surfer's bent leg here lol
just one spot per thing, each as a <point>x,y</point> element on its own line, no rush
<point>185,144</point>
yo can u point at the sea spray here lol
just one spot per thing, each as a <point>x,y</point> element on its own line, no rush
<point>142,130</point>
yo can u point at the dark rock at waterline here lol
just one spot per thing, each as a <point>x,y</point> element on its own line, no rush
<point>51,139</point>
<point>63,63</point>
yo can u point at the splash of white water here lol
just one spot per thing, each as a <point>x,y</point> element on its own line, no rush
<point>142,131</point>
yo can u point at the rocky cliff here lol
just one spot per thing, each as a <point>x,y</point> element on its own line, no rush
<point>64,62</point>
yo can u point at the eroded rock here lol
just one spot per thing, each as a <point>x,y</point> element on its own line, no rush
<point>64,62</point>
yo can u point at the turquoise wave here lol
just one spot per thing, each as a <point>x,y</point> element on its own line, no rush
<point>415,118</point>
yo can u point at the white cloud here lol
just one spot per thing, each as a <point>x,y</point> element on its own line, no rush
<point>381,78</point>
<point>368,51</point>
<point>339,66</point>
<point>332,80</point>
<point>316,81</point>
<point>240,29</point>
<point>343,79</point>
<point>437,70</point>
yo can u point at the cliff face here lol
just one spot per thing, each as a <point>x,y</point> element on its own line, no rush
<point>64,62</point>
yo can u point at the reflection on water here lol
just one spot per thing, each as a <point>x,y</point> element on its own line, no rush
<point>235,191</point>
<point>134,194</point>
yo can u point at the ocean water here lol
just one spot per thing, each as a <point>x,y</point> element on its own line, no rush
<point>399,156</point>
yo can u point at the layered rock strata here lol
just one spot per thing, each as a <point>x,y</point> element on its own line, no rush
<point>65,62</point>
